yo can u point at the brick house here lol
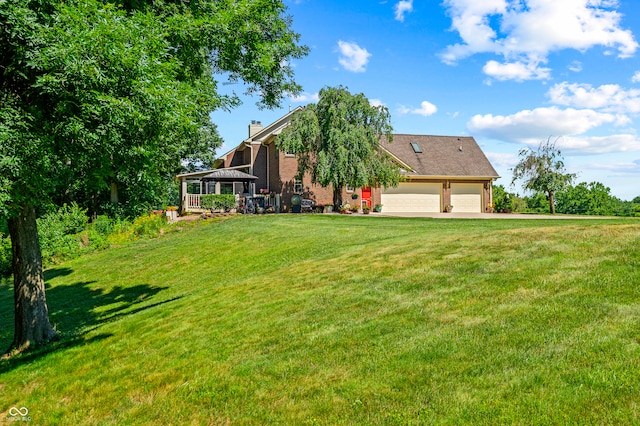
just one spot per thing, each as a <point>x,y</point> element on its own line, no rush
<point>438,171</point>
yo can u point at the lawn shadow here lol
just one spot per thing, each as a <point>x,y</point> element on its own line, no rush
<point>75,310</point>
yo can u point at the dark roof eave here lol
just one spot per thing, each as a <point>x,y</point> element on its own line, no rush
<point>449,177</point>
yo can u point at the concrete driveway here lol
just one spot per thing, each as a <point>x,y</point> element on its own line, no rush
<point>453,215</point>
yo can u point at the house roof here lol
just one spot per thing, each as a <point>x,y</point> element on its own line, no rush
<point>229,175</point>
<point>268,134</point>
<point>452,156</point>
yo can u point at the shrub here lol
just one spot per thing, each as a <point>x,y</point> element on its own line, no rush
<point>501,199</point>
<point>103,224</point>
<point>121,233</point>
<point>218,201</point>
<point>145,226</point>
<point>148,226</point>
<point>65,234</point>
<point>537,203</point>
<point>70,218</point>
<point>99,231</point>
<point>57,232</point>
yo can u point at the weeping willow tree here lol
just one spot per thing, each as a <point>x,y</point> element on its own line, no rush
<point>337,142</point>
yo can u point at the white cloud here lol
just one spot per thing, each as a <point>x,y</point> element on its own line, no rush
<point>532,126</point>
<point>628,168</point>
<point>517,71</point>
<point>353,57</point>
<point>599,144</point>
<point>526,31</point>
<point>426,109</point>
<point>376,103</point>
<point>608,97</point>
<point>305,98</point>
<point>575,66</point>
<point>402,8</point>
<point>636,77</point>
<point>502,159</point>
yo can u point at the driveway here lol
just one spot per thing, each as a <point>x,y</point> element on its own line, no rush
<point>453,215</point>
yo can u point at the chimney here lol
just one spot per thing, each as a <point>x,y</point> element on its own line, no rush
<point>254,127</point>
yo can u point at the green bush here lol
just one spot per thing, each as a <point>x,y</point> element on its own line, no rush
<point>537,203</point>
<point>145,226</point>
<point>218,201</point>
<point>148,226</point>
<point>506,202</point>
<point>65,234</point>
<point>103,224</point>
<point>501,199</point>
<point>58,233</point>
<point>99,231</point>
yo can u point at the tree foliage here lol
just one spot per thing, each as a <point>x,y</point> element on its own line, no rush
<point>95,93</point>
<point>337,141</point>
<point>100,94</point>
<point>543,170</point>
<point>506,202</point>
<point>592,198</point>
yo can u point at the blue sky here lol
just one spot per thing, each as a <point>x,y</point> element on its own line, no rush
<point>510,73</point>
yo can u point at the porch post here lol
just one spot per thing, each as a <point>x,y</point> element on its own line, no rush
<point>217,187</point>
<point>183,194</point>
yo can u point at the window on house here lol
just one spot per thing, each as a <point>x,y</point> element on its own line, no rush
<point>350,189</point>
<point>297,186</point>
<point>416,147</point>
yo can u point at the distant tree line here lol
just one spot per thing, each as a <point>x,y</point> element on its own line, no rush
<point>592,198</point>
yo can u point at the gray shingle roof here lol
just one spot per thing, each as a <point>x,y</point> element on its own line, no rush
<point>229,175</point>
<point>441,156</point>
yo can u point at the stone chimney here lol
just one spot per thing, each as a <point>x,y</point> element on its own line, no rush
<point>254,127</point>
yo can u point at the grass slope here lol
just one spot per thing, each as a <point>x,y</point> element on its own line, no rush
<point>317,319</point>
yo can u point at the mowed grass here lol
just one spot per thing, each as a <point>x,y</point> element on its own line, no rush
<point>327,320</point>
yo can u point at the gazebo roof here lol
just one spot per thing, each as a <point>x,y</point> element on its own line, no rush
<point>229,175</point>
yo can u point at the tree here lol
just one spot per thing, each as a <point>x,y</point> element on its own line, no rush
<point>592,198</point>
<point>501,199</point>
<point>543,170</point>
<point>587,198</point>
<point>104,96</point>
<point>337,141</point>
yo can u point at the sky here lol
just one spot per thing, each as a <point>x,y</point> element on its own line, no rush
<point>510,73</point>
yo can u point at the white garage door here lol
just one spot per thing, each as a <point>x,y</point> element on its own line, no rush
<point>412,197</point>
<point>466,198</point>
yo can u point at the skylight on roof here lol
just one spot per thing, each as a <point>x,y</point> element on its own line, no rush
<point>416,148</point>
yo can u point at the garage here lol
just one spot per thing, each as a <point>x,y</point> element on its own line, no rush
<point>466,197</point>
<point>412,197</point>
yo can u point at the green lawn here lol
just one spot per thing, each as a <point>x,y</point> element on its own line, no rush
<point>327,319</point>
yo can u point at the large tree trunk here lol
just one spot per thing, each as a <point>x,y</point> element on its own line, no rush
<point>337,198</point>
<point>32,324</point>
<point>552,203</point>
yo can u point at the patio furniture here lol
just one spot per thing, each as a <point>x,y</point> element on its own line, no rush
<point>306,205</point>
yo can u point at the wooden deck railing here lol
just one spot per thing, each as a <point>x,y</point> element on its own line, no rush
<point>193,201</point>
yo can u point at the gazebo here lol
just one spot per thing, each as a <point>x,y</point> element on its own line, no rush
<point>218,181</point>
<point>220,176</point>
